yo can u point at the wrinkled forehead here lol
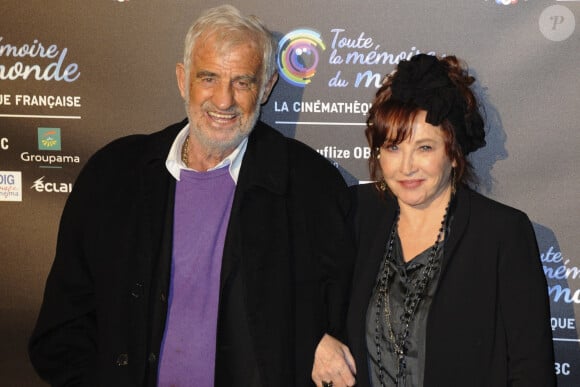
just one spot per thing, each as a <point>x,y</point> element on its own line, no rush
<point>224,40</point>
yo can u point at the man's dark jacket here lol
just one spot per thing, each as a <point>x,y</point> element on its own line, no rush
<point>285,270</point>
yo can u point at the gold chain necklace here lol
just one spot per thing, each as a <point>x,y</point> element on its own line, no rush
<point>184,153</point>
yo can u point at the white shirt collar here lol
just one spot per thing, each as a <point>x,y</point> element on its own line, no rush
<point>174,164</point>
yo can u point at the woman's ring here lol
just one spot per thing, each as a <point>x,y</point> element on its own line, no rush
<point>327,384</point>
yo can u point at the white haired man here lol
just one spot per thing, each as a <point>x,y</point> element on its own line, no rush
<point>220,257</point>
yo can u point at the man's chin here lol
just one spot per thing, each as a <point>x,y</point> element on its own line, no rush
<point>223,144</point>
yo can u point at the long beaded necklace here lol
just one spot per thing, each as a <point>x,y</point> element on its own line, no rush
<point>412,300</point>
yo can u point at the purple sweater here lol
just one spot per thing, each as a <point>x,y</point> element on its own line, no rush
<point>203,202</point>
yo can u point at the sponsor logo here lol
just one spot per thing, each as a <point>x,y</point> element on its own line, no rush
<point>298,56</point>
<point>40,185</point>
<point>49,139</point>
<point>10,186</point>
<point>49,159</point>
<point>562,368</point>
<point>334,152</point>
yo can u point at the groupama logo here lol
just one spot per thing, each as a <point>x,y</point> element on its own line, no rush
<point>298,56</point>
<point>49,139</point>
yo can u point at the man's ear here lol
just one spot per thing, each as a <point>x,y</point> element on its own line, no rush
<point>268,87</point>
<point>180,74</point>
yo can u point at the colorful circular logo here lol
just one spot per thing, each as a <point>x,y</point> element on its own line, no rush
<point>298,56</point>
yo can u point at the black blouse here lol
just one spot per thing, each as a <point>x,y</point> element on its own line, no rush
<point>404,274</point>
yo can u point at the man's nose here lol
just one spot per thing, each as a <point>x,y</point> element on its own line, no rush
<point>223,96</point>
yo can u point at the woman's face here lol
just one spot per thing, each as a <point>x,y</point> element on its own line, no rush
<point>418,170</point>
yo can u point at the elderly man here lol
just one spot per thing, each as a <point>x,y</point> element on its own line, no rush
<point>212,253</point>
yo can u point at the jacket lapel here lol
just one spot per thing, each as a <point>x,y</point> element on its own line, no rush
<point>258,212</point>
<point>259,171</point>
<point>458,225</point>
<point>375,216</point>
<point>380,219</point>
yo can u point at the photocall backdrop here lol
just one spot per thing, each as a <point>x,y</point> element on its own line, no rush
<point>75,75</point>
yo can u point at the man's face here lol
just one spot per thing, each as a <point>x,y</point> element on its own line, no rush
<point>224,92</point>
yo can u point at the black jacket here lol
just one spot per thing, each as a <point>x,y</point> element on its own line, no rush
<point>488,325</point>
<point>285,270</point>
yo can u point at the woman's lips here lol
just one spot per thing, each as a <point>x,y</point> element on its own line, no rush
<point>410,184</point>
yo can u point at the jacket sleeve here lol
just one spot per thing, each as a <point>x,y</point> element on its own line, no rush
<point>62,347</point>
<point>524,306</point>
<point>336,254</point>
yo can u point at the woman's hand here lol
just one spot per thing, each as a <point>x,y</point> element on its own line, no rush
<point>333,364</point>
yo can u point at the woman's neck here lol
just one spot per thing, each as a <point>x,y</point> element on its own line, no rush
<point>418,228</point>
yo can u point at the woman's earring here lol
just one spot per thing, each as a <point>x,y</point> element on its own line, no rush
<point>383,185</point>
<point>378,153</point>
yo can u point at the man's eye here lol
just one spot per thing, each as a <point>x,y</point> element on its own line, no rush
<point>242,85</point>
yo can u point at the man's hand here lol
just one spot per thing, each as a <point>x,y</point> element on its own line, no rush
<point>334,363</point>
